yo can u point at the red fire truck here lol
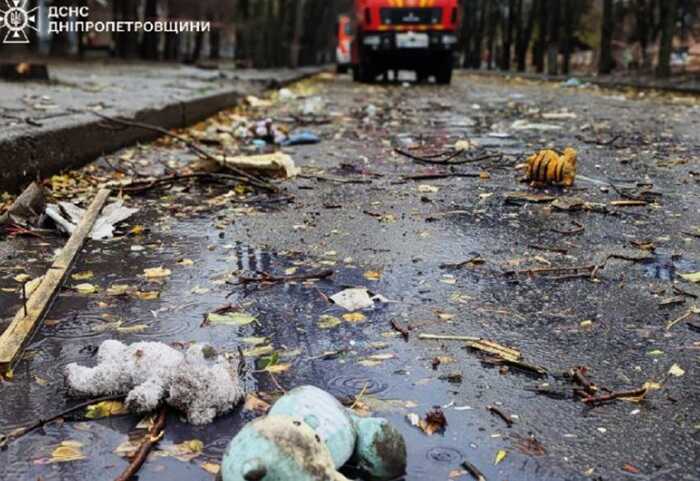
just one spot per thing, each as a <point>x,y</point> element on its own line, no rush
<point>419,35</point>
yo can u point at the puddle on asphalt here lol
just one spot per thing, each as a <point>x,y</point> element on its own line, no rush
<point>287,316</point>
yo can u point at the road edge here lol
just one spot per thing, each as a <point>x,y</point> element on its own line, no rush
<point>605,82</point>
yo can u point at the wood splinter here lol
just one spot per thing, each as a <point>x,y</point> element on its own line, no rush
<point>154,435</point>
<point>27,319</point>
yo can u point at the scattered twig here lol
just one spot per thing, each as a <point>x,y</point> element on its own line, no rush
<point>18,433</point>
<point>398,327</point>
<point>144,185</point>
<point>265,278</point>
<point>579,376</point>
<point>447,175</point>
<point>598,400</point>
<point>440,337</point>
<point>249,178</point>
<point>446,157</point>
<point>277,384</point>
<point>600,142</point>
<point>476,260</point>
<point>518,364</point>
<point>24,298</point>
<point>155,434</point>
<point>681,292</point>
<point>496,411</point>
<point>338,180</point>
<point>687,315</point>
<point>471,469</point>
<point>556,250</point>
<point>358,398</point>
<point>554,270</point>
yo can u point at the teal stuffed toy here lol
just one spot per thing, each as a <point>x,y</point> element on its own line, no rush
<point>307,436</point>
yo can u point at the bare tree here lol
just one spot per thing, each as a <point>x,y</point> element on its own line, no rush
<point>606,62</point>
<point>541,43</point>
<point>553,38</point>
<point>509,22</point>
<point>669,14</point>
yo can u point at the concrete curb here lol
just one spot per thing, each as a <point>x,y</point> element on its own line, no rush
<point>611,83</point>
<point>52,149</point>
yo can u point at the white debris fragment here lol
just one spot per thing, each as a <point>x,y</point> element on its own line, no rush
<point>356,298</point>
<point>67,216</point>
<point>525,125</point>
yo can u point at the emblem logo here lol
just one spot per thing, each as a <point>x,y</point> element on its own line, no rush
<point>17,20</point>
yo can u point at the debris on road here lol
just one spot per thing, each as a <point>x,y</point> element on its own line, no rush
<point>498,412</point>
<point>154,435</point>
<point>277,165</point>
<point>26,209</point>
<point>307,436</point>
<point>355,299</point>
<point>265,278</point>
<point>433,422</point>
<point>201,383</point>
<point>473,470</point>
<point>25,321</point>
<point>301,138</point>
<point>67,216</point>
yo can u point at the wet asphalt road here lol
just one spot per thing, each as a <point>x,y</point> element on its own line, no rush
<point>355,211</point>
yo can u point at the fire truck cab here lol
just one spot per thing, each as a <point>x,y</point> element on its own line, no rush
<point>418,35</point>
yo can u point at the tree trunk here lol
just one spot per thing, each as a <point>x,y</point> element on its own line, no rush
<point>478,52</point>
<point>541,44</point>
<point>669,13</point>
<point>295,53</point>
<point>569,31</point>
<point>492,26</point>
<point>509,23</point>
<point>526,39</point>
<point>149,45</point>
<point>553,41</point>
<point>468,15</point>
<point>606,61</point>
<point>196,53</point>
<point>519,31</point>
<point>643,18</point>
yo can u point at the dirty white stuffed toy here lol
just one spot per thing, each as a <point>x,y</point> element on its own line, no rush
<point>201,383</point>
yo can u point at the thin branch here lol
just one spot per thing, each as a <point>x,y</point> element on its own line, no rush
<point>249,178</point>
<point>18,433</point>
<point>155,433</point>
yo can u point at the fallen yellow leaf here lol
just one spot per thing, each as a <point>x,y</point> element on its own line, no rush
<point>86,288</point>
<point>82,276</point>
<point>694,277</point>
<point>354,317</point>
<point>66,452</point>
<point>328,322</point>
<point>105,409</point>
<point>157,272</point>
<point>373,275</point>
<point>211,468</point>
<point>277,368</point>
<point>500,455</point>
